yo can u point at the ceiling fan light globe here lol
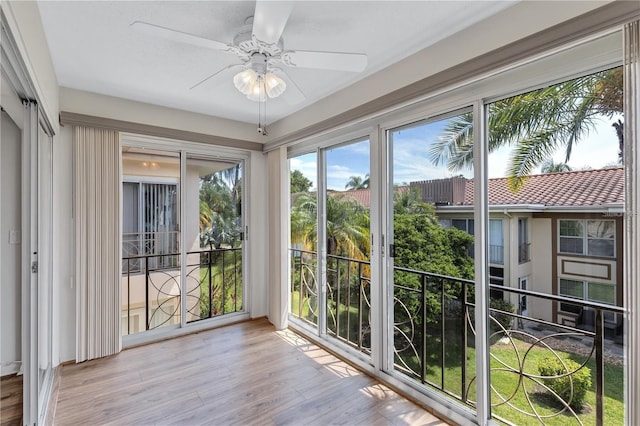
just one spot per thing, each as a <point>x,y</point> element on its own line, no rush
<point>274,85</point>
<point>244,81</point>
<point>256,91</point>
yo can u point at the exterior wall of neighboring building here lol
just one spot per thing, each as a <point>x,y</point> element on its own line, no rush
<point>583,267</point>
<point>541,276</point>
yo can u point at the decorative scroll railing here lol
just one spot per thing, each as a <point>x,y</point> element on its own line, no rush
<point>214,283</point>
<point>152,288</point>
<point>434,338</point>
<point>159,247</point>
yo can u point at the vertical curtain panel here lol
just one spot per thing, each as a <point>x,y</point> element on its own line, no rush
<point>97,214</point>
<point>631,50</point>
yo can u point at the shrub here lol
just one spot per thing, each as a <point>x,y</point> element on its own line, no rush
<point>572,388</point>
<point>503,319</point>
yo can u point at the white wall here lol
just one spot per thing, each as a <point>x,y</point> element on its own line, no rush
<point>10,256</point>
<point>64,292</point>
<point>80,102</point>
<point>258,235</point>
<point>541,258</point>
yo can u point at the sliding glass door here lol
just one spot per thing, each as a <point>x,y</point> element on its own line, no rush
<point>430,260</point>
<point>182,239</point>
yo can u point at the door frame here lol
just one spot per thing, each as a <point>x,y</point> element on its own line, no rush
<point>184,149</point>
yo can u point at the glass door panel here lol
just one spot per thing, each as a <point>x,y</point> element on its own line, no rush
<point>214,235</point>
<point>431,254</point>
<point>303,247</point>
<point>564,278</point>
<point>45,262</point>
<point>347,232</point>
<point>151,283</point>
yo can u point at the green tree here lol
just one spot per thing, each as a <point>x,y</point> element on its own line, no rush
<point>549,166</point>
<point>537,124</point>
<point>357,182</point>
<point>220,208</point>
<point>299,183</point>
<point>347,225</point>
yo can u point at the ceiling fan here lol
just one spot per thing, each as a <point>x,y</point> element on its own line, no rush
<point>260,49</point>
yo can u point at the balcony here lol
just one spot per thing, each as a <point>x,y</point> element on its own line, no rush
<point>434,342</point>
<point>245,373</point>
<point>151,286</point>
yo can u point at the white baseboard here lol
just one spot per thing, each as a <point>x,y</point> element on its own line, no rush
<point>10,368</point>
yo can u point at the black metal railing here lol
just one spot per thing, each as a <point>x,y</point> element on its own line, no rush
<point>216,283</point>
<point>348,302</point>
<point>152,288</point>
<point>159,247</point>
<point>434,337</point>
<point>304,286</point>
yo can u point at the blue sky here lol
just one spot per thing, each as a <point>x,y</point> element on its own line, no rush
<point>411,161</point>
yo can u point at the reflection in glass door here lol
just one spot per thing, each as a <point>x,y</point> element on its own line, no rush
<point>431,265</point>
<point>214,235</point>
<point>150,240</point>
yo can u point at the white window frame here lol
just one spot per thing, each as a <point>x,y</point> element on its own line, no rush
<point>585,237</point>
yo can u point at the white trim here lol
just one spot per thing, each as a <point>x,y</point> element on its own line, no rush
<point>169,332</point>
<point>481,250</point>
<point>321,207</point>
<point>186,150</point>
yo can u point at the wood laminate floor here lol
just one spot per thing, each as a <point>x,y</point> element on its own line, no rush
<point>11,400</point>
<point>244,374</point>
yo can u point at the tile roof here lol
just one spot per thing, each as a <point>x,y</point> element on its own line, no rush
<point>566,189</point>
<point>576,188</point>
<point>362,196</point>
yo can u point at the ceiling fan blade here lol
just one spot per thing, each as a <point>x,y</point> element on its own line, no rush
<point>293,94</point>
<point>354,62</point>
<point>230,67</point>
<point>178,36</point>
<point>269,19</point>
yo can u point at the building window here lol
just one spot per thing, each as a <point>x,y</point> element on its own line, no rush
<point>586,290</point>
<point>523,240</point>
<point>587,237</point>
<point>496,240</point>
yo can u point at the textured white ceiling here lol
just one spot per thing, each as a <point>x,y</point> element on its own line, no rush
<point>94,48</point>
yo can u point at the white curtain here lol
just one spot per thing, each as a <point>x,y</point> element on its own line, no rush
<point>631,50</point>
<point>97,213</point>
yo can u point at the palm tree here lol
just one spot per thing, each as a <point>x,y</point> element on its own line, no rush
<point>550,167</point>
<point>536,124</point>
<point>347,225</point>
<point>356,182</point>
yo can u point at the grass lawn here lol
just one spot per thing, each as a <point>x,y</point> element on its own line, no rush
<point>505,383</point>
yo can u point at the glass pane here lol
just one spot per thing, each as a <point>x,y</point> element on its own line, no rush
<point>304,242</point>
<point>150,240</point>
<point>601,229</point>
<point>571,228</point>
<point>348,241</point>
<point>604,293</point>
<point>555,147</point>
<point>601,248</point>
<point>431,335</point>
<point>496,247</point>
<point>571,245</point>
<point>572,288</point>
<point>213,238</point>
